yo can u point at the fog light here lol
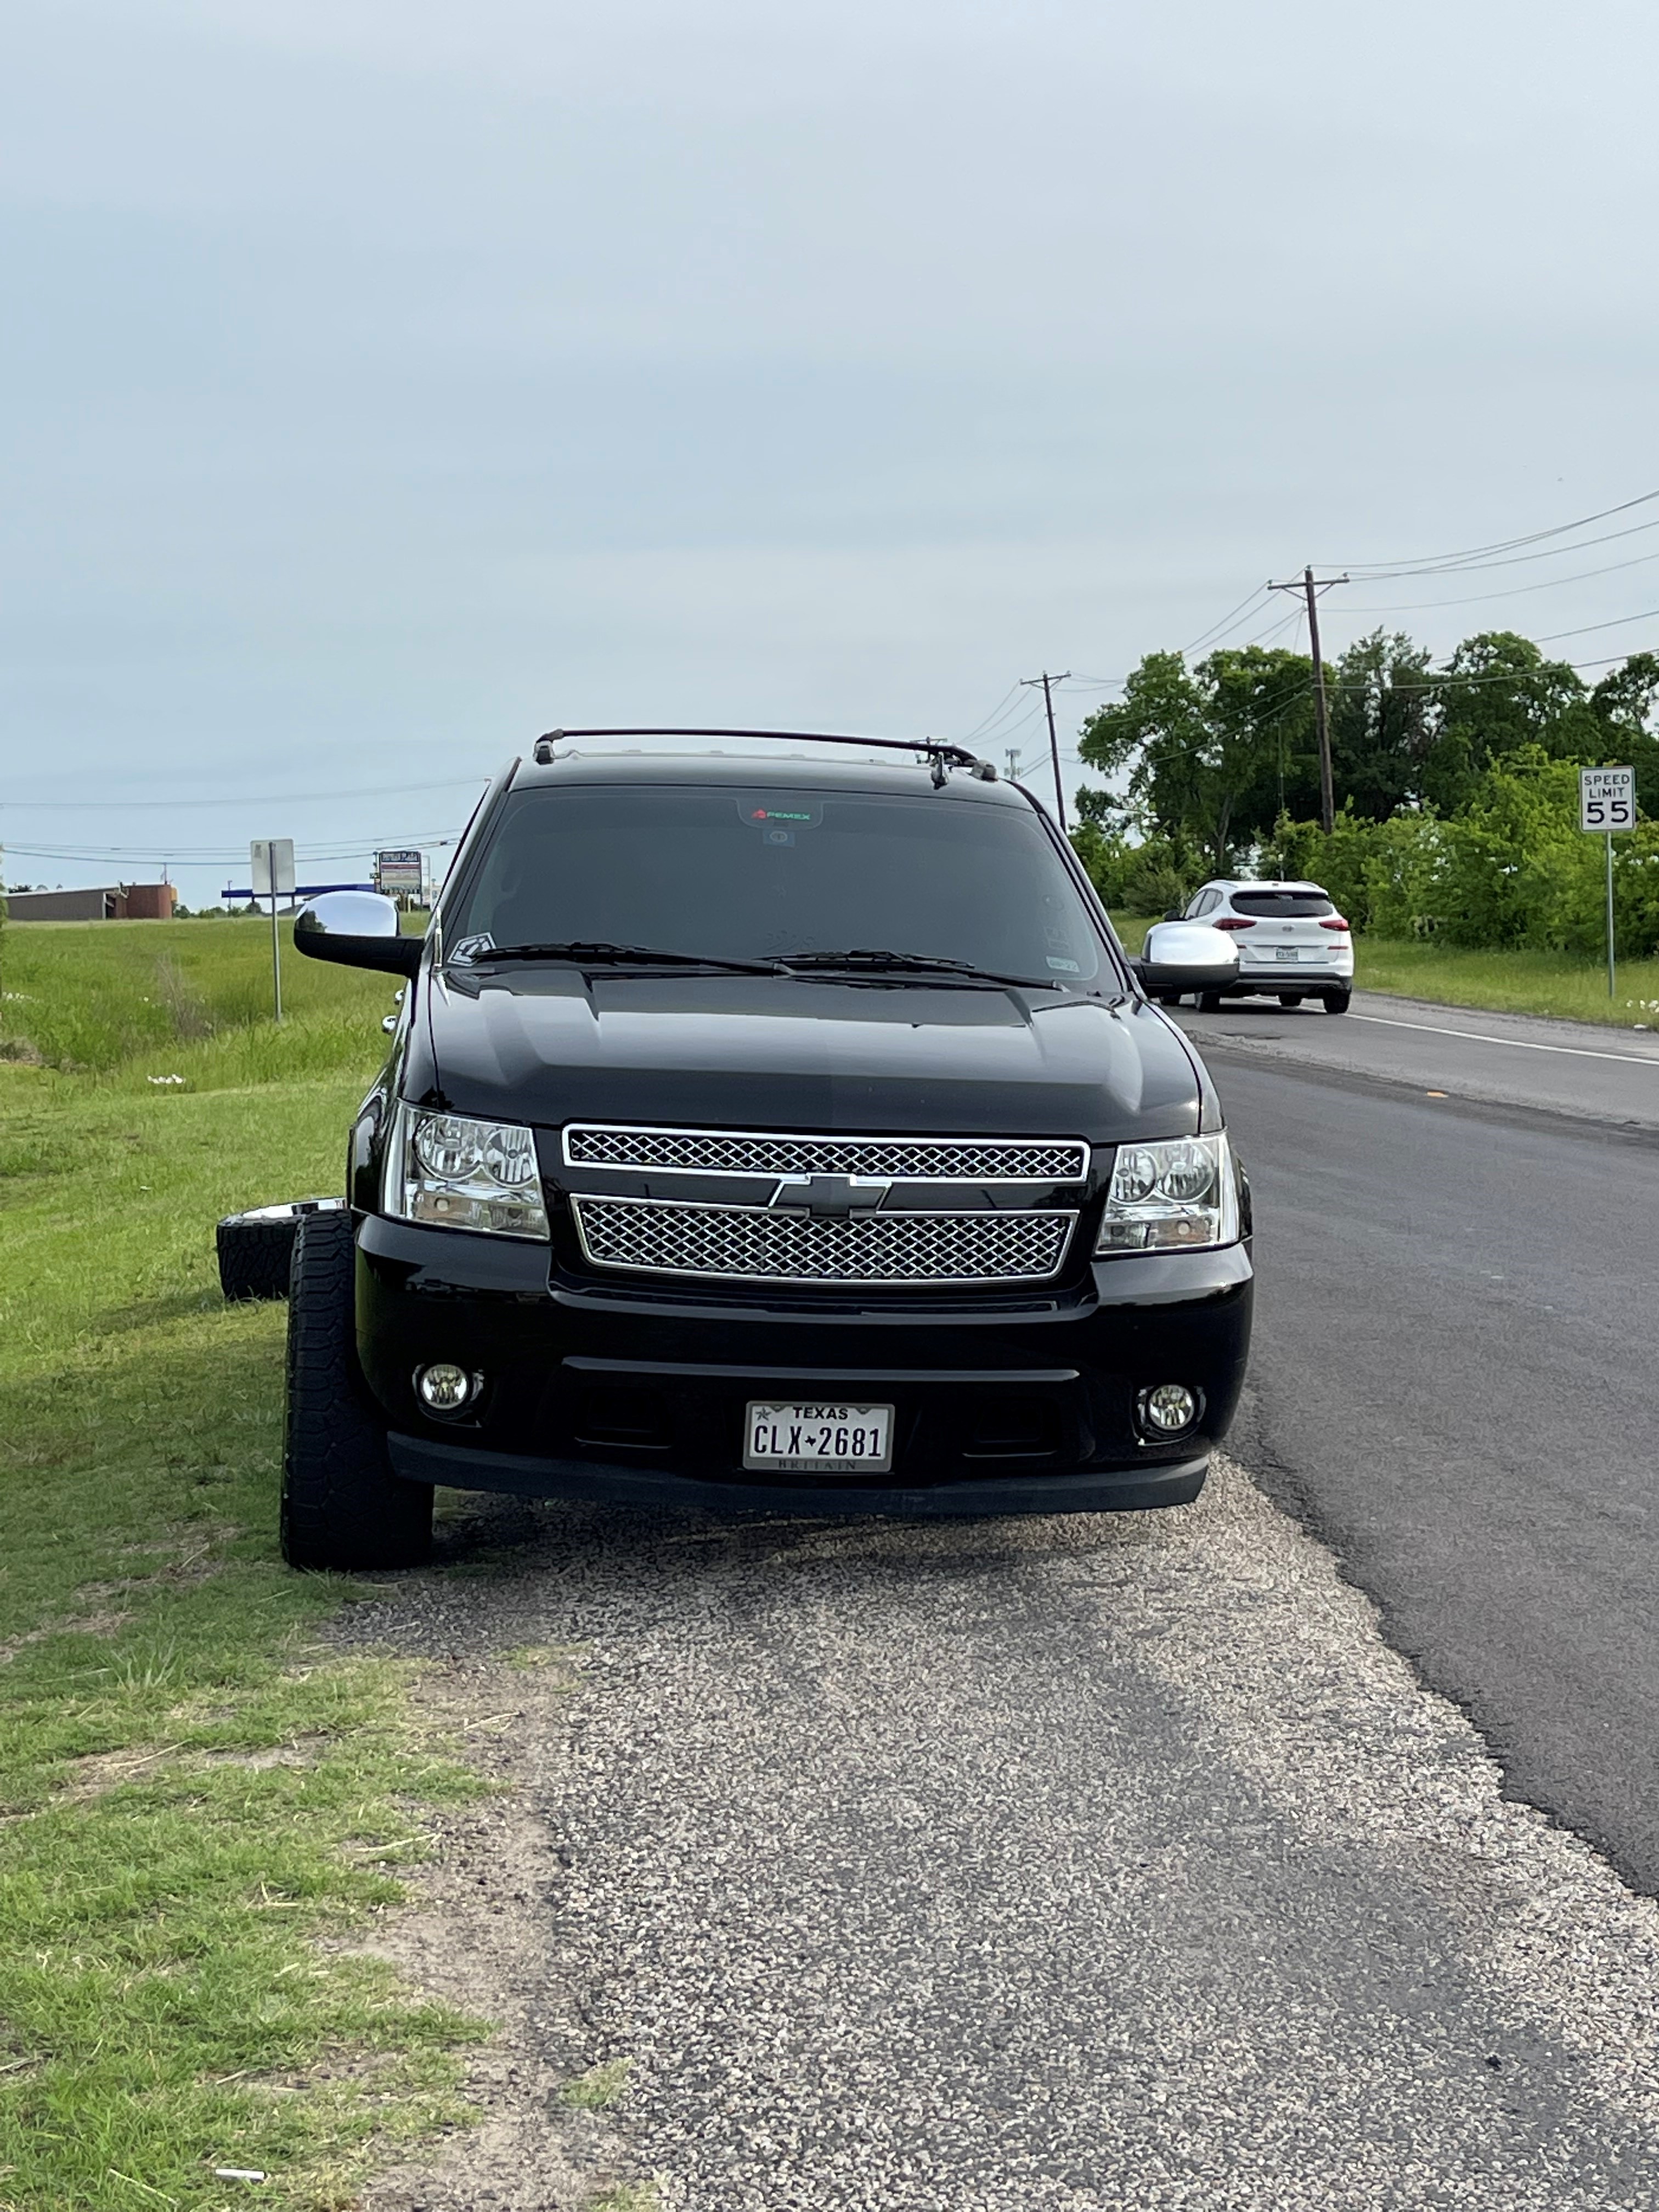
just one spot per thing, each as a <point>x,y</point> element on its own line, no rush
<point>443,1387</point>
<point>1168,1409</point>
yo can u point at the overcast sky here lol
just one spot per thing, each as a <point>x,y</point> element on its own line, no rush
<point>383,381</point>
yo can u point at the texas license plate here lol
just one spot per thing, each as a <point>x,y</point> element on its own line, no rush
<point>1286,952</point>
<point>835,1439</point>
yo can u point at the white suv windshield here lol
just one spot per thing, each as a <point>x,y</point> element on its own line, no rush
<point>757,874</point>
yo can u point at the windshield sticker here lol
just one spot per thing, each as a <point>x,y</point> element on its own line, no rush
<point>792,813</point>
<point>1066,967</point>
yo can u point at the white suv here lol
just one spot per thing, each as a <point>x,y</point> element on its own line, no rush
<point>1292,943</point>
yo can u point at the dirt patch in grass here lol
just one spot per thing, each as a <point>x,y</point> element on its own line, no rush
<point>107,1620</point>
<point>103,1771</point>
<point>476,1938</point>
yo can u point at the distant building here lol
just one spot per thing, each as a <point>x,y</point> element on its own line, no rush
<point>108,902</point>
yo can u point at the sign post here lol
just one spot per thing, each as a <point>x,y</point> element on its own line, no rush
<point>1606,803</point>
<point>271,860</point>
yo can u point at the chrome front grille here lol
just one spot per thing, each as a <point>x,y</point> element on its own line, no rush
<point>908,1160</point>
<point>754,1244</point>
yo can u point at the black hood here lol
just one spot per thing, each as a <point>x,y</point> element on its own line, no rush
<point>540,1045</point>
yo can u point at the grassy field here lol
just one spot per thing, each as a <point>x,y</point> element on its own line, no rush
<point>192,1786</point>
<point>151,988</point>
<point>1509,982</point>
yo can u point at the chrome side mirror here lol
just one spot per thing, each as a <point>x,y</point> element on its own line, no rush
<point>360,929</point>
<point>1186,955</point>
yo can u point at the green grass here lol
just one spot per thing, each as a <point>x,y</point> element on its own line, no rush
<point>101,996</point>
<point>193,1788</point>
<point>1554,983</point>
<point>1511,982</point>
<point>598,2088</point>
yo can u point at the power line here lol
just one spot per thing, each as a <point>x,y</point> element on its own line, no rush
<point>1505,544</point>
<point>1239,613</point>
<point>1008,722</point>
<point>1275,629</point>
<point>980,727</point>
<point>291,799</point>
<point>1516,560</point>
<point>1584,628</point>
<point>1507,591</point>
<point>203,856</point>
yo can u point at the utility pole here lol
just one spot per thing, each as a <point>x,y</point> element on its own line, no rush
<point>1311,588</point>
<point>1012,757</point>
<point>1045,680</point>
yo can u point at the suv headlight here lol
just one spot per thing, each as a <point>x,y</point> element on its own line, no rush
<point>451,1172</point>
<point>1179,1195</point>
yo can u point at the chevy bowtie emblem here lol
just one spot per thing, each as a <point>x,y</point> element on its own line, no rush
<point>825,1197</point>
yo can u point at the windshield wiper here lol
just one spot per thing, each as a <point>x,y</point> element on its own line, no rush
<point>582,952</point>
<point>875,961</point>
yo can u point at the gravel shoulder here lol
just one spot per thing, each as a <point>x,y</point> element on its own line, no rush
<point>1044,1866</point>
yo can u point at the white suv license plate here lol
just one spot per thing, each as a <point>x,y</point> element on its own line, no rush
<point>1288,953</point>
<point>829,1439</point>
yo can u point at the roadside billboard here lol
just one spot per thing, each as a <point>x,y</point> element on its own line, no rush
<point>400,873</point>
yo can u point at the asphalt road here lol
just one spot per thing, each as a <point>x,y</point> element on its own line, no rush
<point>1454,1377</point>
<point>1572,1068</point>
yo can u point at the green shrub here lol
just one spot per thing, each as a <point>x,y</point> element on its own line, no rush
<point>1511,870</point>
<point>1147,879</point>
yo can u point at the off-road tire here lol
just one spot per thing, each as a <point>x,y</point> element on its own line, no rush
<point>256,1249</point>
<point>1336,1002</point>
<point>343,1507</point>
<point>1209,1002</point>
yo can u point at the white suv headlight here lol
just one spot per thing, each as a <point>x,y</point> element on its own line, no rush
<point>451,1172</point>
<point>1178,1194</point>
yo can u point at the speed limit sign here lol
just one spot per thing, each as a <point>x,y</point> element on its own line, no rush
<point>1607,802</point>
<point>1606,799</point>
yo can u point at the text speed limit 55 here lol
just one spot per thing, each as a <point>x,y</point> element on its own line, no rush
<point>1606,799</point>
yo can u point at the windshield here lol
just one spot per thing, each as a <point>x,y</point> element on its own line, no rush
<point>757,874</point>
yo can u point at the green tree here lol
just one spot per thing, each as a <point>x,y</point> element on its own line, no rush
<point>1213,754</point>
<point>1384,876</point>
<point>1497,695</point>
<point>1623,701</point>
<point>1381,696</point>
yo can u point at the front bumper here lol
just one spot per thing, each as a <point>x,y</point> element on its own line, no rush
<point>418,1459</point>
<point>637,1392</point>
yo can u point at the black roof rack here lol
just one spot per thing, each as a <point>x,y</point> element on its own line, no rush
<point>940,755</point>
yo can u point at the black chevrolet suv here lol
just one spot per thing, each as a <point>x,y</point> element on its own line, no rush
<point>778,1130</point>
